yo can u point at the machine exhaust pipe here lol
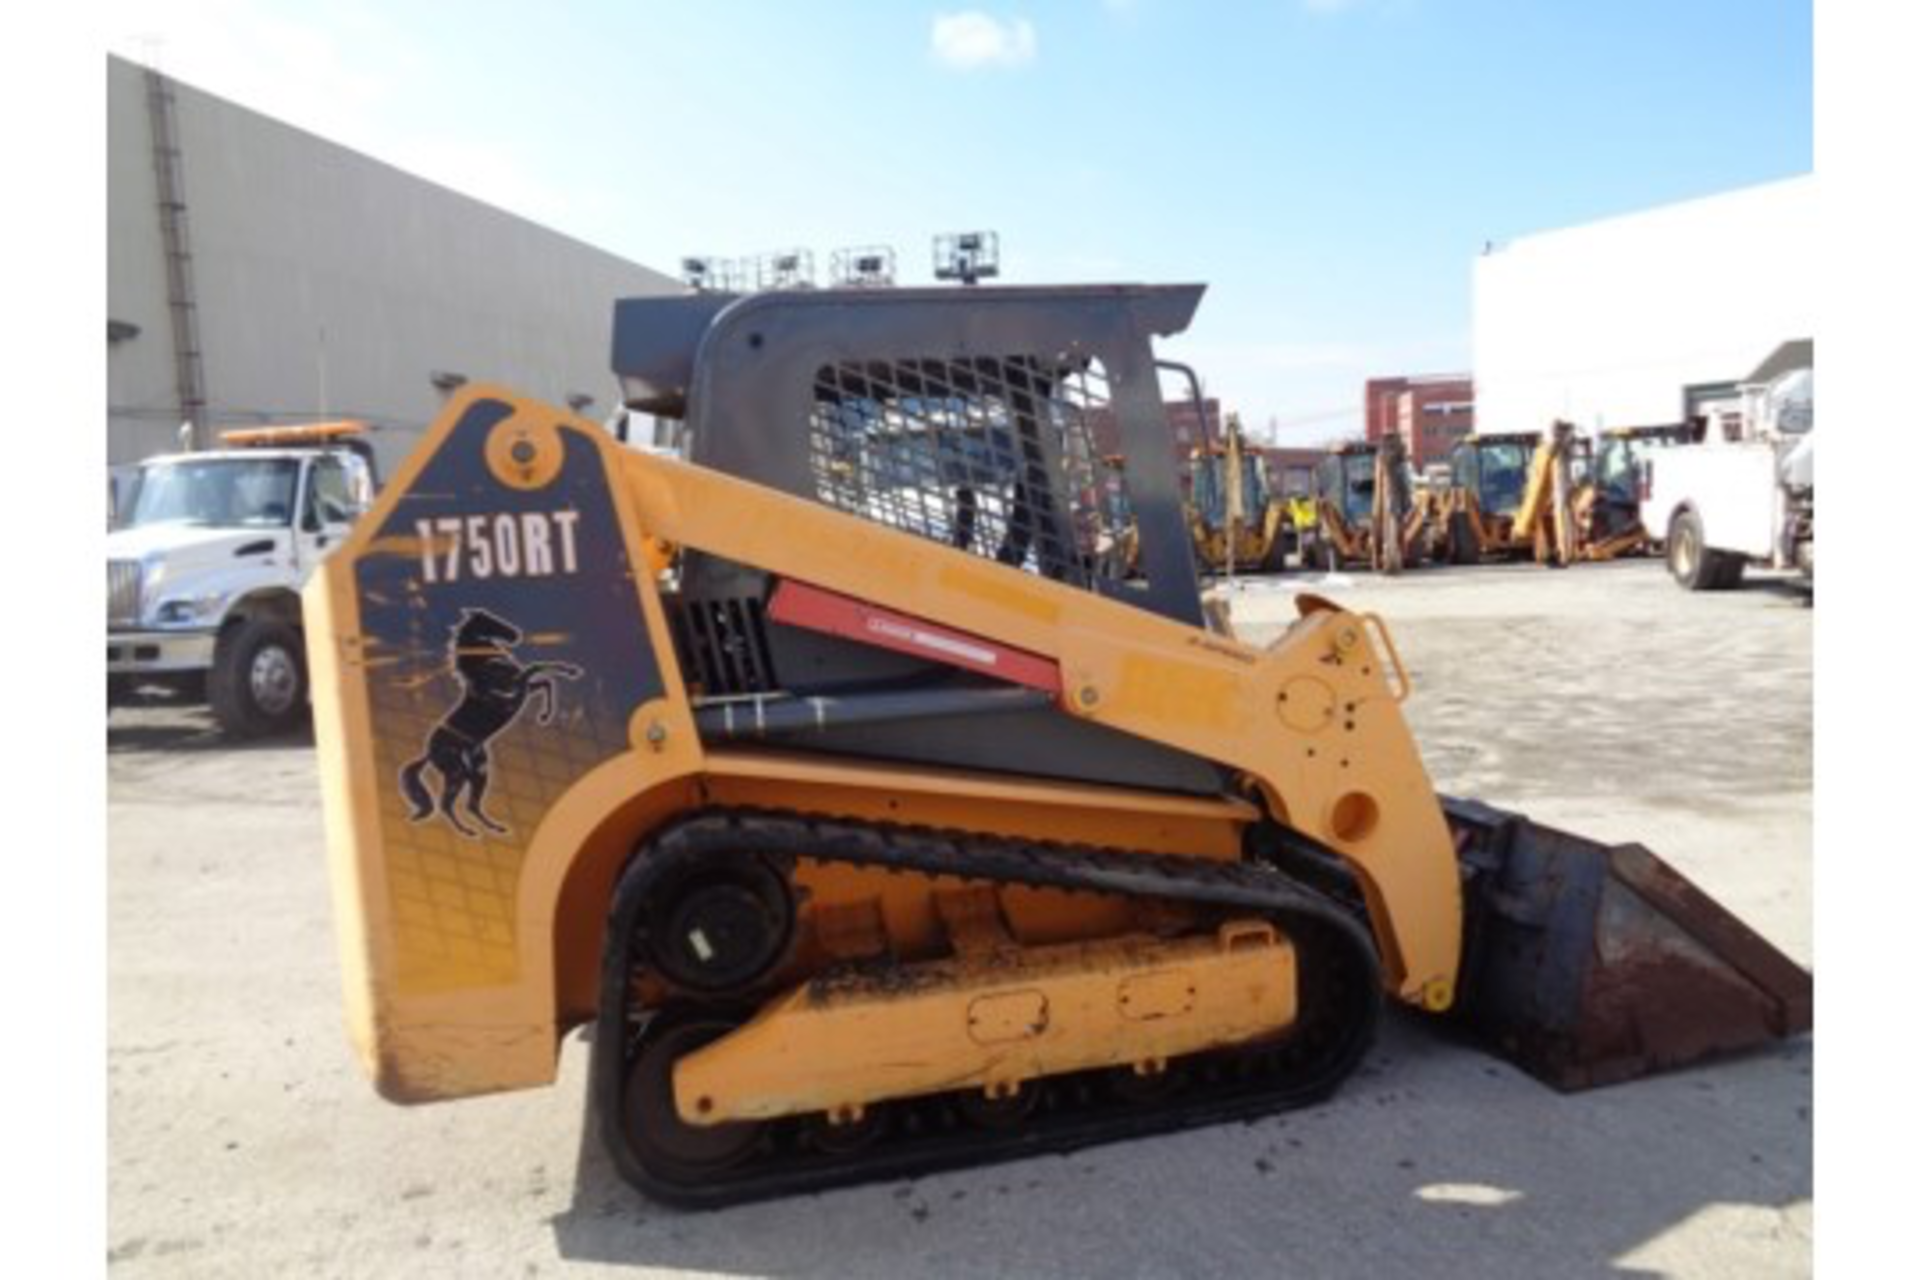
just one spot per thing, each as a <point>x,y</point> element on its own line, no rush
<point>1588,964</point>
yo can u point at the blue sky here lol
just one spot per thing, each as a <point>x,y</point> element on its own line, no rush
<point>1328,167</point>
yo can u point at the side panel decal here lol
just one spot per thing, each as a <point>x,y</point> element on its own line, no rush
<point>505,654</point>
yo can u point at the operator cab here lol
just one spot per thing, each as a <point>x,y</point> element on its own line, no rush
<point>1494,469</point>
<point>1345,479</point>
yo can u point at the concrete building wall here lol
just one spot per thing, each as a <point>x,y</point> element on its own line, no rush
<point>329,284</point>
<point>1605,324</point>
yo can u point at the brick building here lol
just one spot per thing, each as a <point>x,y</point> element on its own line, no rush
<point>1429,411</point>
<point>1183,435</point>
<point>1189,429</point>
<point>1183,422</point>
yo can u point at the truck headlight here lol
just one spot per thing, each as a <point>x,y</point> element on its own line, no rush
<point>183,611</point>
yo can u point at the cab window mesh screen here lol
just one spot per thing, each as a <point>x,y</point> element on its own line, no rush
<point>993,455</point>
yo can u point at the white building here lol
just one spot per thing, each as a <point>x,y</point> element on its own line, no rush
<point>259,274</point>
<point>1633,320</point>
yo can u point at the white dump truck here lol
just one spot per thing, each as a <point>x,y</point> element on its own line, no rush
<point>1743,494</point>
<point>205,565</point>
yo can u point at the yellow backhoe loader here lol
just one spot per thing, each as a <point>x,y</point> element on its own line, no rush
<point>1525,493</point>
<point>871,821</point>
<point>1366,511</point>
<point>1606,505</point>
<point>1487,482</point>
<point>1239,521</point>
<point>1296,490</point>
<point>1545,518</point>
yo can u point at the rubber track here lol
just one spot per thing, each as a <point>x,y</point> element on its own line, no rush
<point>1339,1005</point>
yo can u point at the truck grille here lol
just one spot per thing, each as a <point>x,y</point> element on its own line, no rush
<point>123,593</point>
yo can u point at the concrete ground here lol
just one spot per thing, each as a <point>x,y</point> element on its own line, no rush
<point>244,1141</point>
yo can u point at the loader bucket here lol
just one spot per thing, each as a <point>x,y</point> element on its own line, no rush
<point>1587,964</point>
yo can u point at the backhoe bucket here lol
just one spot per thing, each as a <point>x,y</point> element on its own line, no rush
<point>1588,964</point>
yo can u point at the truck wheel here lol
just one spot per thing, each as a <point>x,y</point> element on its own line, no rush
<point>258,684</point>
<point>1462,546</point>
<point>1728,571</point>
<point>1688,560</point>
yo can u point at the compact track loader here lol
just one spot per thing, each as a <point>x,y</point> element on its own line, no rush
<point>870,819</point>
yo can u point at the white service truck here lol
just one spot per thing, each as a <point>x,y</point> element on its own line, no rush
<point>1743,494</point>
<point>206,562</point>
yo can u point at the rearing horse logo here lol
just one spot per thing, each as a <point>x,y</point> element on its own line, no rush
<point>497,688</point>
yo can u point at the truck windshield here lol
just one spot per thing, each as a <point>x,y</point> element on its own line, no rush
<point>222,493</point>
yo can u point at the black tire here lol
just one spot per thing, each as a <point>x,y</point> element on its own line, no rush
<point>1728,571</point>
<point>1462,546</point>
<point>258,685</point>
<point>1688,560</point>
<point>1415,554</point>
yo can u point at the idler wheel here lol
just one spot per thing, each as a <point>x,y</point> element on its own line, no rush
<point>720,928</point>
<point>665,1144</point>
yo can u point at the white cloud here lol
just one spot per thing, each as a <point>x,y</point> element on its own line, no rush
<point>970,40</point>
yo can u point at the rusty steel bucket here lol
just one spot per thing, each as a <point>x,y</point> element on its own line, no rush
<point>1587,964</point>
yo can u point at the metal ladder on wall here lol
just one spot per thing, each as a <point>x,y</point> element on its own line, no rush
<point>189,373</point>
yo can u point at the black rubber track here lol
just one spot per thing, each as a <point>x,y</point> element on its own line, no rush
<point>1339,1005</point>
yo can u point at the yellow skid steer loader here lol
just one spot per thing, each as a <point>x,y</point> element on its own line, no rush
<point>872,820</point>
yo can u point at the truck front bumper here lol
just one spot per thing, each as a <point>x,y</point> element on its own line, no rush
<point>136,653</point>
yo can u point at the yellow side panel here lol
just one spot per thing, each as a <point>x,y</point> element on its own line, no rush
<point>993,1022</point>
